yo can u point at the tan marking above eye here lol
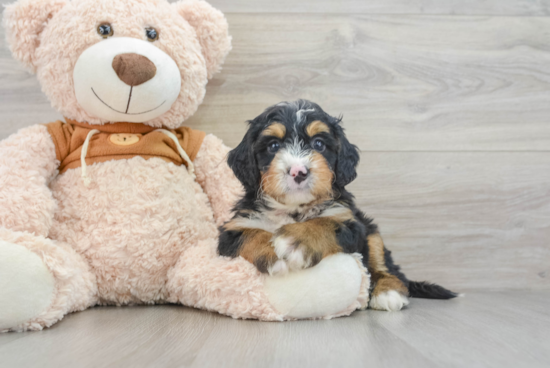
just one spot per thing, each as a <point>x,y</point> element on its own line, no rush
<point>276,130</point>
<point>316,127</point>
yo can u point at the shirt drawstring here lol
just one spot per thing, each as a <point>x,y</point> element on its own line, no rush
<point>183,154</point>
<point>84,175</point>
<point>86,179</point>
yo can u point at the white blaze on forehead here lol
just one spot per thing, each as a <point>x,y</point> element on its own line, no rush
<point>300,114</point>
<point>110,97</point>
<point>294,154</point>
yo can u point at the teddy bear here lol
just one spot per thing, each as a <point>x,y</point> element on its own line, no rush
<point>120,203</point>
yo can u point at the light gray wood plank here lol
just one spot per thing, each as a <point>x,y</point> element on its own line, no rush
<point>341,342</point>
<point>490,334</point>
<point>483,329</point>
<point>402,82</point>
<point>465,220</point>
<point>454,7</point>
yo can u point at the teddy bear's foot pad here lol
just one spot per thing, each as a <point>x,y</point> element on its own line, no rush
<point>324,290</point>
<point>27,286</point>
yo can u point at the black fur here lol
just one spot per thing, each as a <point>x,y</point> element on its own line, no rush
<point>426,290</point>
<point>251,157</point>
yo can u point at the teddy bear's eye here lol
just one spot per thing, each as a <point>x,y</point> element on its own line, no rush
<point>105,30</point>
<point>152,34</point>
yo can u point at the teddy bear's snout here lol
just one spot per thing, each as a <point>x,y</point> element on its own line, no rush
<point>134,69</point>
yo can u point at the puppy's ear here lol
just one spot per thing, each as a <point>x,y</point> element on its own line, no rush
<point>348,158</point>
<point>243,163</point>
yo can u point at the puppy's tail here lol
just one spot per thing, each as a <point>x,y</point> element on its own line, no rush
<point>423,289</point>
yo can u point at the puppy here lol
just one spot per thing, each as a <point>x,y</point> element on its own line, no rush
<point>294,163</point>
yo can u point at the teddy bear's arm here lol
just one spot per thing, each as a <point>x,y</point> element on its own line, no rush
<point>27,164</point>
<point>216,178</point>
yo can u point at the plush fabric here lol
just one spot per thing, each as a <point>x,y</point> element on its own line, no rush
<point>324,291</point>
<point>41,33</point>
<point>104,91</point>
<point>27,164</point>
<point>23,297</point>
<point>142,227</point>
<point>75,286</point>
<point>70,137</point>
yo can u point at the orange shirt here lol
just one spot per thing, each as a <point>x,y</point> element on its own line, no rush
<point>120,141</point>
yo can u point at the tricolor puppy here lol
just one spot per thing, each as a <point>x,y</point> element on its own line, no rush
<point>295,162</point>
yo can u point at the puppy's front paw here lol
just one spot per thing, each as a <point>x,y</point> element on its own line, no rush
<point>388,301</point>
<point>279,268</point>
<point>296,255</point>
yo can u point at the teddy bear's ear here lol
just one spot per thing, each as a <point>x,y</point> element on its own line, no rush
<point>212,31</point>
<point>24,21</point>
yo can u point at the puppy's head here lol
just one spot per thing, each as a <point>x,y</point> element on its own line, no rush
<point>295,153</point>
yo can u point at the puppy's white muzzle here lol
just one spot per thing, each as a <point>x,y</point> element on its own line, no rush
<point>102,93</point>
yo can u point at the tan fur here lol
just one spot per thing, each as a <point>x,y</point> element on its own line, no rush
<point>256,249</point>
<point>317,127</point>
<point>316,238</point>
<point>379,271</point>
<point>271,181</point>
<point>276,130</point>
<point>322,176</point>
<point>387,282</point>
<point>376,253</point>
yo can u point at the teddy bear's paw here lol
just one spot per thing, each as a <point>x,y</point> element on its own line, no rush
<point>27,286</point>
<point>389,301</point>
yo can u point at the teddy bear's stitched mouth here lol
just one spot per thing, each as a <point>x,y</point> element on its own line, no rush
<point>126,113</point>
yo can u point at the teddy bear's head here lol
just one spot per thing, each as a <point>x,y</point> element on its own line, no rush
<point>139,61</point>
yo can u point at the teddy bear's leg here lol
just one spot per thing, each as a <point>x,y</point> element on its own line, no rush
<point>41,280</point>
<point>337,286</point>
<point>234,287</point>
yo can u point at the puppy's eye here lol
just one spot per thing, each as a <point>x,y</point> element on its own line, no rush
<point>273,147</point>
<point>152,34</point>
<point>318,145</point>
<point>105,30</point>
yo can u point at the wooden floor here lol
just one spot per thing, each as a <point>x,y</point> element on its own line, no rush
<point>449,102</point>
<point>482,329</point>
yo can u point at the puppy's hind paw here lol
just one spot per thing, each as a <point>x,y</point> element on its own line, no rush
<point>388,301</point>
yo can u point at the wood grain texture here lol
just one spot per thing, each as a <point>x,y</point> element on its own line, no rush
<point>446,7</point>
<point>482,329</point>
<point>402,82</point>
<point>450,113</point>
<point>465,220</point>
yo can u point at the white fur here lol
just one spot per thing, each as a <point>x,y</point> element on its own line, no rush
<point>326,289</point>
<point>389,301</point>
<point>294,257</point>
<point>268,221</point>
<point>294,155</point>
<point>279,268</point>
<point>283,246</point>
<point>26,286</point>
<point>301,114</point>
<point>149,100</point>
<point>335,211</point>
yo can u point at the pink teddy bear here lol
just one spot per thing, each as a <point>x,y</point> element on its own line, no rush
<point>120,204</point>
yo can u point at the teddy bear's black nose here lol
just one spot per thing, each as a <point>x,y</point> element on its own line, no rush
<point>134,69</point>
